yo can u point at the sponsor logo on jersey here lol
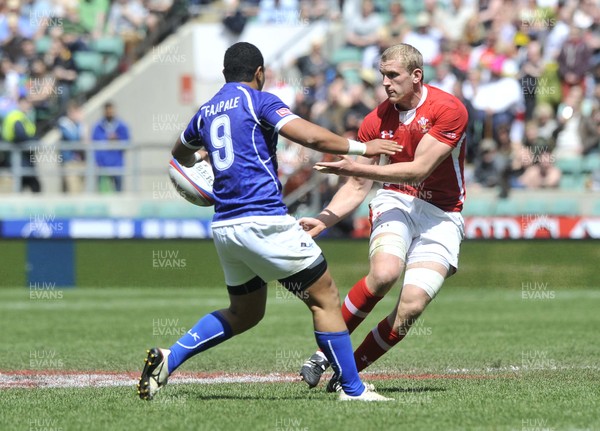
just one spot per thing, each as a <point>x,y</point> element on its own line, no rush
<point>387,134</point>
<point>451,135</point>
<point>424,124</point>
<point>283,112</point>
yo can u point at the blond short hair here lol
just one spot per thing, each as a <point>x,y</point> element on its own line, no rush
<point>409,57</point>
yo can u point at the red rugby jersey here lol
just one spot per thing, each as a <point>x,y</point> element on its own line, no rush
<point>444,117</point>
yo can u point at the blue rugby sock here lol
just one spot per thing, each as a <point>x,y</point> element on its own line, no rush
<point>211,330</point>
<point>338,350</point>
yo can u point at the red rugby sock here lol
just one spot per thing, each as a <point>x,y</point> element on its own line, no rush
<point>381,339</point>
<point>358,304</point>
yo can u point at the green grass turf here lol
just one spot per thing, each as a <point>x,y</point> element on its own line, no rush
<point>522,314</point>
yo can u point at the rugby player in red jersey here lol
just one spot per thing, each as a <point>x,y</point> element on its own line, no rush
<point>416,222</point>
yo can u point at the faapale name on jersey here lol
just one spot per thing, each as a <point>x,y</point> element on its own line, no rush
<point>223,105</point>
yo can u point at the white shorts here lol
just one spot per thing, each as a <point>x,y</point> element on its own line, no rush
<point>430,234</point>
<point>271,247</point>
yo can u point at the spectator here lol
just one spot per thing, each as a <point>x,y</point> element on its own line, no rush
<point>130,20</point>
<point>277,85</point>
<point>545,123</point>
<point>537,142</point>
<point>42,91</point>
<point>568,137</point>
<point>559,33</point>
<point>285,12</point>
<point>541,175</point>
<point>398,25</point>
<point>507,163</point>
<point>92,14</point>
<point>64,70</point>
<point>500,98</point>
<point>452,20</point>
<point>26,27</point>
<point>484,54</point>
<point>71,22</point>
<point>358,107</point>
<point>315,71</point>
<point>72,131</point>
<point>362,29</point>
<point>313,64</point>
<point>313,10</point>
<point>11,87</point>
<point>330,112</point>
<point>459,52</point>
<point>488,167</point>
<point>110,129</point>
<point>372,54</point>
<point>25,58</point>
<point>11,46</point>
<point>530,73</point>
<point>424,38</point>
<point>573,61</point>
<point>444,78</point>
<point>235,19</point>
<point>159,8</point>
<point>590,131</point>
<point>19,129</point>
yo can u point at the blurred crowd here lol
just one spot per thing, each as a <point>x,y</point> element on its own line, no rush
<point>40,41</point>
<point>528,72</point>
<point>52,55</point>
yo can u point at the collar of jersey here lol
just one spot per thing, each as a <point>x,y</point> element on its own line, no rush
<point>406,117</point>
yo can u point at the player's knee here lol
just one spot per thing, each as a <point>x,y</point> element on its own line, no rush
<point>409,310</point>
<point>247,322</point>
<point>381,278</point>
<point>322,295</point>
<point>246,318</point>
<point>427,282</point>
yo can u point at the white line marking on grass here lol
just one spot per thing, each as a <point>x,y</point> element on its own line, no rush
<point>78,379</point>
<point>103,379</point>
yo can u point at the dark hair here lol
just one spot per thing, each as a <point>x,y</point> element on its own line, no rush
<point>241,61</point>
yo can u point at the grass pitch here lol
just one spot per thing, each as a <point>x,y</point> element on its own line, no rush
<point>510,343</point>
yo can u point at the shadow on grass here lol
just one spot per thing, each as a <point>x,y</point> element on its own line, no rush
<point>208,396</point>
<point>413,390</point>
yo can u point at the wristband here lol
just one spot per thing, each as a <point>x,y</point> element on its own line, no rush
<point>356,148</point>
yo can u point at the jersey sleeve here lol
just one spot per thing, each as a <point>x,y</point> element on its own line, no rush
<point>190,137</point>
<point>451,123</point>
<point>274,112</point>
<point>368,129</point>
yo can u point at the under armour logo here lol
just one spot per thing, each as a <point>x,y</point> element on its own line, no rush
<point>387,134</point>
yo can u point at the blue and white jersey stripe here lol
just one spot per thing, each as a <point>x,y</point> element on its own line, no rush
<point>238,127</point>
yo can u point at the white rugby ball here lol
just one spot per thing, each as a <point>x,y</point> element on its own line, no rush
<point>195,184</point>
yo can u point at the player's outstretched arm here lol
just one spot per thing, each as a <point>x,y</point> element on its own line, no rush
<point>318,138</point>
<point>428,156</point>
<point>349,196</point>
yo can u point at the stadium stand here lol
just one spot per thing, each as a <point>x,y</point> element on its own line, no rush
<point>477,43</point>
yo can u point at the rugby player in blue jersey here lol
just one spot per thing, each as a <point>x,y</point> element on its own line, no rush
<point>256,239</point>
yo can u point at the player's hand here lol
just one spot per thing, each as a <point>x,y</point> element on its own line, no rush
<point>312,225</point>
<point>382,146</point>
<point>344,166</point>
<point>193,158</point>
<point>203,155</point>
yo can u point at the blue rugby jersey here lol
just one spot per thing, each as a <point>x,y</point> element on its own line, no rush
<point>238,127</point>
